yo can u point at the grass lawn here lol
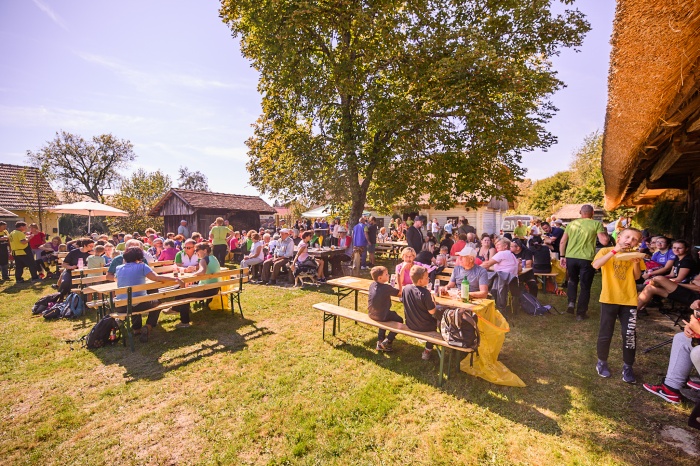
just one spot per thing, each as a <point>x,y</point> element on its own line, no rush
<point>268,390</point>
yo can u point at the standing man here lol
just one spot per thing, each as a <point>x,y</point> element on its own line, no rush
<point>359,241</point>
<point>414,234</point>
<point>371,231</point>
<point>4,251</point>
<point>284,252</point>
<point>183,230</point>
<point>19,246</point>
<point>448,227</point>
<point>577,250</point>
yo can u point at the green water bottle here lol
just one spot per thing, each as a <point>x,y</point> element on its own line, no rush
<point>465,289</point>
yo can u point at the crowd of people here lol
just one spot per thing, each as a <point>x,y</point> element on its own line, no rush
<point>666,269</point>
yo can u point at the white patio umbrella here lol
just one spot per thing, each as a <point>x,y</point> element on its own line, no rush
<point>88,208</point>
<point>319,212</point>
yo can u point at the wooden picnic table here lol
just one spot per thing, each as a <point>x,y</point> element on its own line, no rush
<point>325,254</point>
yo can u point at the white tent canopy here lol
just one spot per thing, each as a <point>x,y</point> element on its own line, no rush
<point>319,212</point>
<point>88,208</point>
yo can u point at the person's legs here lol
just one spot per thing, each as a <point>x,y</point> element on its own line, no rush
<point>370,249</point>
<point>220,253</point>
<point>393,317</point>
<point>628,329</point>
<point>320,271</point>
<point>680,362</point>
<point>184,310</point>
<point>572,270</point>
<point>277,267</point>
<point>586,274</point>
<point>5,269</point>
<point>266,269</point>
<point>659,288</point>
<point>608,316</point>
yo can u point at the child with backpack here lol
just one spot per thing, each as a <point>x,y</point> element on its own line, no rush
<point>618,300</point>
<point>379,306</point>
<point>419,307</point>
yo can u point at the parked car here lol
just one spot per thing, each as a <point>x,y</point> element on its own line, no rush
<point>510,222</point>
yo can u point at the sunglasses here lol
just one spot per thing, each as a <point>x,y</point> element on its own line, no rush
<point>189,247</point>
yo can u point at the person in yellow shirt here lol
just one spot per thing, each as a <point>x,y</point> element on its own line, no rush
<point>618,300</point>
<point>19,245</point>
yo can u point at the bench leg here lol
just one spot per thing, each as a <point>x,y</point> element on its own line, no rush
<point>238,299</point>
<point>441,353</point>
<point>129,333</point>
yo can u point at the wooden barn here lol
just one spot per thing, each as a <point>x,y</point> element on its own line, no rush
<point>651,147</point>
<point>200,209</point>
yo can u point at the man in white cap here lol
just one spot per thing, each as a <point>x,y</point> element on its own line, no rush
<point>284,252</point>
<point>477,276</point>
<point>183,230</point>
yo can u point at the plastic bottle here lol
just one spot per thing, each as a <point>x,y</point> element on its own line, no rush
<point>465,289</point>
<point>436,287</point>
<point>80,263</point>
<point>523,263</point>
<point>392,280</point>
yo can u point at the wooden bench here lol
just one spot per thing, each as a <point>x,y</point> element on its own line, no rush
<point>333,312</point>
<point>391,252</point>
<point>543,278</point>
<point>173,295</point>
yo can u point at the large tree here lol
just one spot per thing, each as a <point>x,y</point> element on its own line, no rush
<point>196,180</point>
<point>137,195</point>
<point>79,166</point>
<point>386,101</point>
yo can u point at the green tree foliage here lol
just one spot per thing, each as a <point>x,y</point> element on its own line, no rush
<point>84,167</point>
<point>385,102</point>
<point>137,195</point>
<point>195,180</point>
<point>582,183</point>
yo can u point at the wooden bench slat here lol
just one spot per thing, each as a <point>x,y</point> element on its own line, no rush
<point>172,293</point>
<point>432,337</point>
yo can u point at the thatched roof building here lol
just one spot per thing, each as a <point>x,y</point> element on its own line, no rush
<point>569,212</point>
<point>652,125</point>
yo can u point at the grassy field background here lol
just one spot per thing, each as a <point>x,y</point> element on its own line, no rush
<point>268,390</point>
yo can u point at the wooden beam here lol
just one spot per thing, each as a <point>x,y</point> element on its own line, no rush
<point>639,192</point>
<point>695,126</point>
<point>665,162</point>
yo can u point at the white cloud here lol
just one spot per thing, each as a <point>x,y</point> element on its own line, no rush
<point>51,14</point>
<point>65,118</point>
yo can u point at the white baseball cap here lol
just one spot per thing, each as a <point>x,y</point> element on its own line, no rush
<point>467,251</point>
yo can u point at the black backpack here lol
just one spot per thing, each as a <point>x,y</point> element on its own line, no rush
<point>530,305</point>
<point>459,328</point>
<point>46,302</point>
<point>105,332</point>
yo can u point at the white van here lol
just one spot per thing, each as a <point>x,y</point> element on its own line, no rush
<point>510,222</point>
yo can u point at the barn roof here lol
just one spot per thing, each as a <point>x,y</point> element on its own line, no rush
<point>651,125</point>
<point>24,188</point>
<point>221,201</point>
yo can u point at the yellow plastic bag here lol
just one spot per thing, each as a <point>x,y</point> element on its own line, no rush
<point>492,329</point>
<point>559,270</point>
<point>218,300</point>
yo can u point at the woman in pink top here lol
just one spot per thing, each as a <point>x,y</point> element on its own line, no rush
<point>169,251</point>
<point>403,270</point>
<point>503,260</point>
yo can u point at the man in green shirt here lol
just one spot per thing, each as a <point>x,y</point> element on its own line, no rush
<point>520,231</point>
<point>577,250</point>
<point>218,236</point>
<point>19,245</point>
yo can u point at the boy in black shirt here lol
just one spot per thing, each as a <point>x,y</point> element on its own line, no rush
<point>419,306</point>
<point>379,306</point>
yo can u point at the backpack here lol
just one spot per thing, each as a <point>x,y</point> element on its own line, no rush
<point>52,312</point>
<point>309,266</point>
<point>72,306</point>
<point>105,332</point>
<point>459,328</point>
<point>532,306</point>
<point>46,302</point>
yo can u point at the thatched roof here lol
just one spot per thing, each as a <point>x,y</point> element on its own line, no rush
<point>651,89</point>
<point>215,201</point>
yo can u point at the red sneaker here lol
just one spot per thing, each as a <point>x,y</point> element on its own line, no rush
<point>693,385</point>
<point>664,392</point>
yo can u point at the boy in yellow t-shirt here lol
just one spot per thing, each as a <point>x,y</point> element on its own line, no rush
<point>618,300</point>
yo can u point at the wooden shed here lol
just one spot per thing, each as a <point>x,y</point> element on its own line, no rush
<point>652,125</point>
<point>200,209</point>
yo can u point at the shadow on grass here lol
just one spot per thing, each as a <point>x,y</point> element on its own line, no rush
<point>169,350</point>
<point>517,405</point>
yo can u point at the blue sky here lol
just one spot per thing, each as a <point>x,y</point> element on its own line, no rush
<point>168,77</point>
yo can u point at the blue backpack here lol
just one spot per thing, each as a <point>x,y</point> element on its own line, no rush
<point>72,306</point>
<point>530,305</point>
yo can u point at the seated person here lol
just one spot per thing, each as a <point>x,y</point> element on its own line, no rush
<point>336,260</point>
<point>119,260</point>
<point>486,250</point>
<point>459,245</point>
<point>418,304</point>
<point>379,306</point>
<point>477,276</point>
<point>208,264</point>
<point>403,269</point>
<point>187,258</point>
<point>283,253</point>
<point>683,268</point>
<point>664,287</point>
<point>304,260</point>
<point>541,256</point>
<point>169,251</point>
<point>685,354</point>
<point>504,260</point>
<point>257,252</point>
<point>156,247</point>
<point>447,241</point>
<point>110,253</point>
<point>135,272</point>
<point>382,236</point>
<point>96,260</point>
<point>522,253</point>
<point>663,256</point>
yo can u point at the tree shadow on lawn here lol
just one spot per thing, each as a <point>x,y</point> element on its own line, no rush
<point>520,405</point>
<point>169,349</point>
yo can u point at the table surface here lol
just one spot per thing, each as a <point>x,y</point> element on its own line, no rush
<point>362,284</point>
<point>106,288</point>
<point>396,243</point>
